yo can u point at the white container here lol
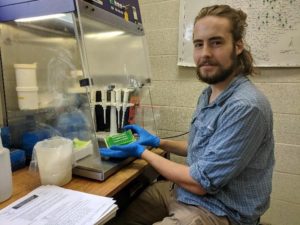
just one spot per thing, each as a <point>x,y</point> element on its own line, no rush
<point>54,158</point>
<point>26,75</point>
<point>5,175</point>
<point>28,97</point>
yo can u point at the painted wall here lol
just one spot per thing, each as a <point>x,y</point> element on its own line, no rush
<point>176,89</point>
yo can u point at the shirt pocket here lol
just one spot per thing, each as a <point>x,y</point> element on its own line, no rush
<point>202,134</point>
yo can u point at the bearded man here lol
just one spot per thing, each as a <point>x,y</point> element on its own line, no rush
<point>227,178</point>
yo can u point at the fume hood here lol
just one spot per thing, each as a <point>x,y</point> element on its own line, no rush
<point>91,68</point>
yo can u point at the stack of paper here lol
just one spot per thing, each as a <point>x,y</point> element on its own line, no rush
<point>53,205</point>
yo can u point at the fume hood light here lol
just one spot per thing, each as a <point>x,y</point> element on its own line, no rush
<point>105,35</point>
<point>39,18</point>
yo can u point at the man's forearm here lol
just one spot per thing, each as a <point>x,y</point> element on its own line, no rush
<point>176,147</point>
<point>174,172</point>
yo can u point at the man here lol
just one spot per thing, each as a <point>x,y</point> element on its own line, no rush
<point>230,152</point>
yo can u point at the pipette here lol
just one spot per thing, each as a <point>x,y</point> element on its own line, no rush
<point>104,102</point>
<point>93,101</point>
<point>125,103</point>
<point>113,122</point>
<point>118,104</point>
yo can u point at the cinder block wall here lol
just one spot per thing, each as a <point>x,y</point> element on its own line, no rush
<point>176,89</point>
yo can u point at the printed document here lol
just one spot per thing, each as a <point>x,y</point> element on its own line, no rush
<point>53,205</point>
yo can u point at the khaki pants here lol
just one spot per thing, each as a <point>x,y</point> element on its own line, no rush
<point>157,205</point>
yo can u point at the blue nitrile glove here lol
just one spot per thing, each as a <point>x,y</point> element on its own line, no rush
<point>133,149</point>
<point>145,138</point>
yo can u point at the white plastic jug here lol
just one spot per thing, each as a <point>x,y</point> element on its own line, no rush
<point>28,97</point>
<point>26,75</point>
<point>5,175</point>
<point>54,159</point>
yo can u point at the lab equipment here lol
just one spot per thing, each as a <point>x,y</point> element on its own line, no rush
<point>5,137</point>
<point>17,159</point>
<point>144,137</point>
<point>81,149</point>
<point>54,158</point>
<point>82,41</point>
<point>104,102</point>
<point>113,118</point>
<point>125,103</point>
<point>118,105</point>
<point>5,173</point>
<point>73,125</point>
<point>134,149</point>
<point>28,97</point>
<point>123,138</point>
<point>30,138</point>
<point>27,88</point>
<point>26,75</point>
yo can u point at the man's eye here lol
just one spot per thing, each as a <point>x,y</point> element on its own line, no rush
<point>197,45</point>
<point>216,43</point>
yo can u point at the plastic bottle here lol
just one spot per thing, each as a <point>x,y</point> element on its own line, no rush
<point>5,174</point>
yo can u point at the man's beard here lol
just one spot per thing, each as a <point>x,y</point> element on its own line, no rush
<point>219,76</point>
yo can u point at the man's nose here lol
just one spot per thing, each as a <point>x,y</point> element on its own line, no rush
<point>206,51</point>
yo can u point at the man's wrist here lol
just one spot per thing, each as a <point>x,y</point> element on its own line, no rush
<point>161,143</point>
<point>143,153</point>
<point>157,142</point>
<point>140,150</point>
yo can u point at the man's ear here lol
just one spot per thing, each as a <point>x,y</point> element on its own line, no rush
<point>239,47</point>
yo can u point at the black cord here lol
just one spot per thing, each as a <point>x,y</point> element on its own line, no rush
<point>175,136</point>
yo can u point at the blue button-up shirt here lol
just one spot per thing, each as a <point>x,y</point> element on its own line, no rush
<point>231,153</point>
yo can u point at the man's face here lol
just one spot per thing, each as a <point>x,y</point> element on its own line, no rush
<point>215,54</point>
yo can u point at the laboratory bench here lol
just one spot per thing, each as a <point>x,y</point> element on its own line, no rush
<point>122,186</point>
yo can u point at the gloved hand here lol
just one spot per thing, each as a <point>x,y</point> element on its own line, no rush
<point>133,149</point>
<point>145,138</point>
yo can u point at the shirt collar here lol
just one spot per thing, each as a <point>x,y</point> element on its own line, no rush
<point>227,92</point>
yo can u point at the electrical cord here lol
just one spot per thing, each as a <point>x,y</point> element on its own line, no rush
<point>175,136</point>
<point>169,137</point>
